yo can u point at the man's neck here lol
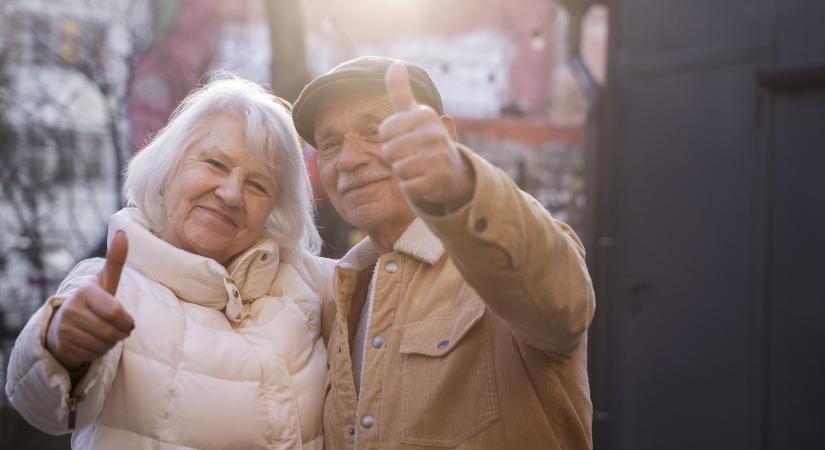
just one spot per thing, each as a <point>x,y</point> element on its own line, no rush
<point>384,237</point>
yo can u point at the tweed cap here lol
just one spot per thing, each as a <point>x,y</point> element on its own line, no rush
<point>360,75</point>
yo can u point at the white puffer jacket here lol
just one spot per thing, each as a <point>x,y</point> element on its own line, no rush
<point>219,358</point>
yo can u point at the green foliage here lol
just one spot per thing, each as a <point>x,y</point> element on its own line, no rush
<point>167,15</point>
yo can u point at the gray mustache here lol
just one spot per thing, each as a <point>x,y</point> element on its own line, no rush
<point>370,174</point>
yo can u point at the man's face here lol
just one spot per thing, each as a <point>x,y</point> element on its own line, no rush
<point>356,177</point>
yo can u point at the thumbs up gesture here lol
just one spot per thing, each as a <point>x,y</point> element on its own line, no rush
<point>91,321</point>
<point>421,150</point>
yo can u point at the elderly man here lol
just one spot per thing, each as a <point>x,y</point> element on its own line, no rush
<point>461,320</point>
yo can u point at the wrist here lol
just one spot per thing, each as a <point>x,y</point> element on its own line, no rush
<point>465,189</point>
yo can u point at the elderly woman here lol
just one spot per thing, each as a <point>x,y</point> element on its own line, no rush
<point>209,337</point>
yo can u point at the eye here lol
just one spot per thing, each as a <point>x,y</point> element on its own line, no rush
<point>372,134</point>
<point>329,146</point>
<point>214,163</point>
<point>259,187</point>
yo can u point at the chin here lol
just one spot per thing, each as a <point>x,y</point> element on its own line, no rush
<point>366,221</point>
<point>209,245</point>
<point>367,214</point>
<point>210,252</point>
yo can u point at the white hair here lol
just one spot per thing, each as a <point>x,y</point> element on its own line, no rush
<point>270,137</point>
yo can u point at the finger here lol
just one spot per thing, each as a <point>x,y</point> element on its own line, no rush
<point>421,143</point>
<point>86,320</point>
<point>397,81</point>
<point>407,121</point>
<point>416,187</point>
<point>81,340</point>
<point>419,187</point>
<point>106,332</point>
<point>74,357</point>
<point>109,275</point>
<point>109,310</point>
<point>75,346</point>
<point>411,167</point>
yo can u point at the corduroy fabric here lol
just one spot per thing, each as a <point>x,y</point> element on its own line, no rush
<point>483,315</point>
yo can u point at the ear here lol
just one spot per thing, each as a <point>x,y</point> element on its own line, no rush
<point>449,123</point>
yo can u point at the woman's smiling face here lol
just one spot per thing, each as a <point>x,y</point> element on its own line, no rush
<point>218,202</point>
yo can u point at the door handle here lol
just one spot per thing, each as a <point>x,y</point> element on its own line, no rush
<point>635,288</point>
<point>792,79</point>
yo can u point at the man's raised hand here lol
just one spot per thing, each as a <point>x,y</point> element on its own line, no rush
<point>420,149</point>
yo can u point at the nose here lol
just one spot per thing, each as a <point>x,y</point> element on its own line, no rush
<point>230,190</point>
<point>354,153</point>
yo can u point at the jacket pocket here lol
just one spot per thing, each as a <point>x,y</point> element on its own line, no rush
<point>448,385</point>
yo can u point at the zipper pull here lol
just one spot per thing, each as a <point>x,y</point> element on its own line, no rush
<point>72,411</point>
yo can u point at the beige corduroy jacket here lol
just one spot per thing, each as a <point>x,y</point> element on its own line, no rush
<point>476,335</point>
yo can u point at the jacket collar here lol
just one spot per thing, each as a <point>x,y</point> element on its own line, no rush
<point>194,278</point>
<point>417,241</point>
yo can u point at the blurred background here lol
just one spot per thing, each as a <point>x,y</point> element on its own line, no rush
<point>684,141</point>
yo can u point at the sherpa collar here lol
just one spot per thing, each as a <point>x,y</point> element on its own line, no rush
<point>417,241</point>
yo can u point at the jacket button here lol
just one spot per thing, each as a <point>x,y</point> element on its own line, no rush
<point>391,266</point>
<point>443,344</point>
<point>367,421</point>
<point>481,224</point>
<point>378,341</point>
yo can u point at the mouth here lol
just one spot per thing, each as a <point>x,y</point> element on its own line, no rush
<point>358,184</point>
<point>218,214</point>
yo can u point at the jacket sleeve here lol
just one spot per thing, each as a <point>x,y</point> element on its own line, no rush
<point>38,387</point>
<point>528,267</point>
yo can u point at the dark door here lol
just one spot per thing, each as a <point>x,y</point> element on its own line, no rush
<point>795,309</point>
<point>710,265</point>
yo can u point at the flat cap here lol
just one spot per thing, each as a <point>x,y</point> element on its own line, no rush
<point>360,75</point>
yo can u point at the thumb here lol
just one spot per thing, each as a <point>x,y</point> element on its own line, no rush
<point>397,81</point>
<point>109,275</point>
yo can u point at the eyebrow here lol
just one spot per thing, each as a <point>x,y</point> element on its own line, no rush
<point>368,114</point>
<point>367,117</point>
<point>324,133</point>
<point>371,117</point>
<point>258,172</point>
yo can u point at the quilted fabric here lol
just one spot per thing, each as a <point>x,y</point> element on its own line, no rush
<point>219,357</point>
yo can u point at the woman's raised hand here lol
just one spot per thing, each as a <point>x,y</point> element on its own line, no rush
<point>91,321</point>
